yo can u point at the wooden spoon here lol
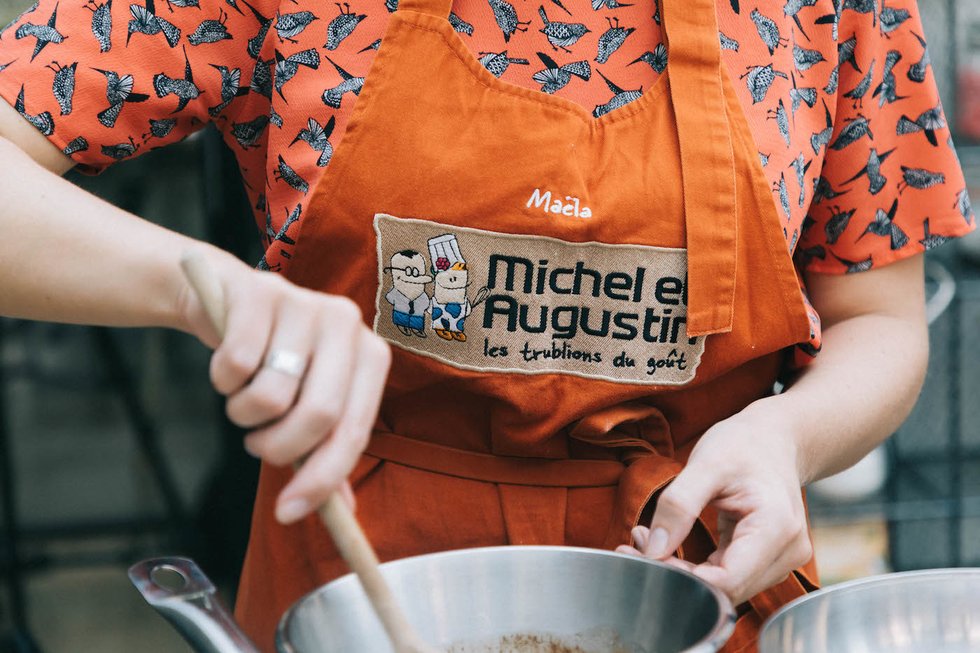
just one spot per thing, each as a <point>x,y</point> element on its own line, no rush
<point>335,513</point>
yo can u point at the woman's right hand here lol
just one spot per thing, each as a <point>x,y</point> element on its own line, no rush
<point>320,412</point>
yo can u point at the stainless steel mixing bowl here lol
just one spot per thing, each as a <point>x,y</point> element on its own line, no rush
<point>934,611</point>
<point>501,599</point>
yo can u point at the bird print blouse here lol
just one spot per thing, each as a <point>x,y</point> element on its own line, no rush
<point>840,96</point>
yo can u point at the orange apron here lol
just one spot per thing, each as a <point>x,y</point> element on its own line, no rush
<point>634,289</point>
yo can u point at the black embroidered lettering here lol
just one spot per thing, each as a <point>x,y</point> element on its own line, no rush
<point>603,329</point>
<point>511,262</point>
<point>500,305</point>
<point>542,324</point>
<point>568,327</point>
<point>580,271</point>
<point>552,280</point>
<point>664,326</point>
<point>650,318</point>
<point>615,282</point>
<point>638,288</point>
<point>667,291</point>
<point>542,276</point>
<point>625,321</point>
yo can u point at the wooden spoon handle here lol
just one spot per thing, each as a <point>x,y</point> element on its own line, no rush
<point>335,514</point>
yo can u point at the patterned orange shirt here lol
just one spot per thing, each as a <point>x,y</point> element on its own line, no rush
<point>839,94</point>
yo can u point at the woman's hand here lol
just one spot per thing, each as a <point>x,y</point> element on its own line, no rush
<point>298,368</point>
<point>746,468</point>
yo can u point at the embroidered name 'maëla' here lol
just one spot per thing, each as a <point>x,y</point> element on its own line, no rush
<point>570,206</point>
<point>495,302</point>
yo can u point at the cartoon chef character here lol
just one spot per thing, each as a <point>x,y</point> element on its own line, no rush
<point>449,305</point>
<point>408,298</point>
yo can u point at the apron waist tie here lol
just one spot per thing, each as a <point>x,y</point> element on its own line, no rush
<point>510,470</point>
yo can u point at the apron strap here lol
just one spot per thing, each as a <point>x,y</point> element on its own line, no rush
<point>437,8</point>
<point>707,161</point>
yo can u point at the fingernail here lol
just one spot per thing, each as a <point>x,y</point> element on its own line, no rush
<point>291,510</point>
<point>657,544</point>
<point>639,537</point>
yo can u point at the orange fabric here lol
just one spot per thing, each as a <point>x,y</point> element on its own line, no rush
<point>470,158</point>
<point>823,85</point>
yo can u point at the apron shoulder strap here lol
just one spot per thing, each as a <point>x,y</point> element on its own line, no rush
<point>707,161</point>
<point>437,8</point>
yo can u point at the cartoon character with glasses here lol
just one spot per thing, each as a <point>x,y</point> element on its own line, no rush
<point>408,299</point>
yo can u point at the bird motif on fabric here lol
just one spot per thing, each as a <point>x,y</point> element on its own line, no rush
<point>247,134</point>
<point>43,122</point>
<point>783,192</point>
<point>823,190</point>
<point>727,42</point>
<point>101,23</point>
<point>507,19</point>
<point>342,26</point>
<point>318,138</point>
<point>332,97</point>
<point>254,44</point>
<point>806,59</point>
<point>768,31</point>
<point>612,39</point>
<point>854,267</point>
<point>620,98</point>
<point>183,4</point>
<point>287,67</point>
<point>285,173</point>
<point>822,138</point>
<point>460,25</point>
<point>801,96</point>
<point>63,87</point>
<point>854,130</point>
<point>77,144</point>
<point>792,9</point>
<point>928,123</point>
<point>121,151</point>
<point>962,204</point>
<point>837,224</point>
<point>759,80</point>
<point>554,77</point>
<point>931,240</point>
<point>231,80</point>
<point>497,63</point>
<point>145,21</point>
<point>782,120</point>
<point>892,18</point>
<point>919,178</point>
<point>883,224</point>
<point>917,72</point>
<point>561,35</point>
<point>656,59</point>
<point>876,180</point>
<point>160,128</point>
<point>261,82</point>
<point>291,219</point>
<point>801,166</point>
<point>887,90</point>
<point>608,4</point>
<point>289,26</point>
<point>44,34</point>
<point>861,89</point>
<point>184,88</point>
<point>373,45</point>
<point>211,30</point>
<point>119,91</point>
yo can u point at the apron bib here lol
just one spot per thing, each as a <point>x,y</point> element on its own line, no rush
<point>571,300</point>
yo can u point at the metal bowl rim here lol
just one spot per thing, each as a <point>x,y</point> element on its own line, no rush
<point>713,641</point>
<point>859,583</point>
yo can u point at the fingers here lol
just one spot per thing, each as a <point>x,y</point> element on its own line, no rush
<point>678,506</point>
<point>249,322</point>
<point>330,463</point>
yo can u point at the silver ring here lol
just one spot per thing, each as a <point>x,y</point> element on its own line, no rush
<point>286,362</point>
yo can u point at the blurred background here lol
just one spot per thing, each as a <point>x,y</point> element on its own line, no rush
<point>113,447</point>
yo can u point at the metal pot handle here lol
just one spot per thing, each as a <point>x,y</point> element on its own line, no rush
<point>181,593</point>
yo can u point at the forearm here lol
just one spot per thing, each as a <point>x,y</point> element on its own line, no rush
<point>859,389</point>
<point>68,256</point>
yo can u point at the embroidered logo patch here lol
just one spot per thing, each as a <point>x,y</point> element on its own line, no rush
<point>488,301</point>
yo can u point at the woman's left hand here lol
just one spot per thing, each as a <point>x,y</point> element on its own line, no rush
<point>746,468</point>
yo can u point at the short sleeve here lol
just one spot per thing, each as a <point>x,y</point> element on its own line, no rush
<point>105,81</point>
<point>891,184</point>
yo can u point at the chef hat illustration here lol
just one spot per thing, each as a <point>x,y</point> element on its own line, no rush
<point>444,253</point>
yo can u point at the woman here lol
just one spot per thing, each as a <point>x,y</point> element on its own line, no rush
<point>609,202</point>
